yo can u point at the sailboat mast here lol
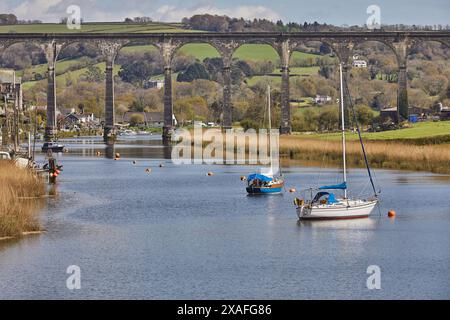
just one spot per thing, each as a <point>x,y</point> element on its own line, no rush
<point>343,129</point>
<point>270,129</point>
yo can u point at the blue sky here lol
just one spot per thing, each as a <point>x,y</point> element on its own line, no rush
<point>334,12</point>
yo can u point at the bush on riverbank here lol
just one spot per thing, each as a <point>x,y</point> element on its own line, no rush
<point>18,188</point>
<point>381,154</point>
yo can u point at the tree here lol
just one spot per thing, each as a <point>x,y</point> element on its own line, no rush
<point>136,72</point>
<point>136,119</point>
<point>324,49</point>
<point>434,85</point>
<point>8,18</point>
<point>364,114</point>
<point>94,74</point>
<point>329,118</point>
<point>193,72</point>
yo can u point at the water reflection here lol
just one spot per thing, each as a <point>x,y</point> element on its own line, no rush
<point>345,224</point>
<point>144,147</point>
<point>178,233</point>
<point>110,151</point>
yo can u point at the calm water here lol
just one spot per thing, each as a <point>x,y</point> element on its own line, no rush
<point>178,233</point>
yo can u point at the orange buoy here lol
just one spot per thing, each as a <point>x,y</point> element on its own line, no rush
<point>117,155</point>
<point>210,173</point>
<point>243,178</point>
<point>98,153</point>
<point>391,213</point>
<point>291,190</point>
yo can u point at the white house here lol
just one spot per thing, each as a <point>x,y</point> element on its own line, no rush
<point>359,64</point>
<point>158,84</point>
<point>319,99</point>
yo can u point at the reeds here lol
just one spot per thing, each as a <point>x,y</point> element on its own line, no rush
<point>381,154</point>
<point>20,190</point>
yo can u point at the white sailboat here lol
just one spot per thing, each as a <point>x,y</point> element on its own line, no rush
<point>325,205</point>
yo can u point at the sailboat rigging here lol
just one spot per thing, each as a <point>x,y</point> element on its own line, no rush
<point>325,205</point>
<point>259,183</point>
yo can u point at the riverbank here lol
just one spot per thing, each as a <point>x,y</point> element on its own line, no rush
<point>381,154</point>
<point>20,191</point>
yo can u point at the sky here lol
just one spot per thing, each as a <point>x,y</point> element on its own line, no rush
<point>338,12</point>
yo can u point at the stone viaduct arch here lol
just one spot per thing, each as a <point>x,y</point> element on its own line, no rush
<point>342,44</point>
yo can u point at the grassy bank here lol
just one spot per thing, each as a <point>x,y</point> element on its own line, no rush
<point>381,154</point>
<point>426,132</point>
<point>18,206</point>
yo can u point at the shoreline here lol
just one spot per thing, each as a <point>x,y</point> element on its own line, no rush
<point>21,198</point>
<point>24,234</point>
<point>381,154</point>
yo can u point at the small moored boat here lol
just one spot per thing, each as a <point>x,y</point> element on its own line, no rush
<point>258,183</point>
<point>262,184</point>
<point>54,147</point>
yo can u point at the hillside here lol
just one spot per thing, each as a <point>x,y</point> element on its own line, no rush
<point>94,28</point>
<point>251,52</point>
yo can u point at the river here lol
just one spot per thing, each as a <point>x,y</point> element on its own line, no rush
<point>177,233</point>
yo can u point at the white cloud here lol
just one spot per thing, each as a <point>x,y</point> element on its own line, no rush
<point>117,10</point>
<point>35,9</point>
<point>170,13</point>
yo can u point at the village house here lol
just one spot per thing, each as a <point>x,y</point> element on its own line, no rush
<point>9,81</point>
<point>159,84</point>
<point>359,64</point>
<point>69,119</point>
<point>390,114</point>
<point>151,119</point>
<point>319,99</point>
<point>444,112</point>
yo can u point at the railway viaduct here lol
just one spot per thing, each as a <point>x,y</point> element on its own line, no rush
<point>341,43</point>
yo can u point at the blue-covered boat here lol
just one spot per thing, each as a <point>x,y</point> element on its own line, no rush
<point>262,184</point>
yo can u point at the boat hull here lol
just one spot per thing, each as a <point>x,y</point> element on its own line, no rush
<point>265,190</point>
<point>54,149</point>
<point>358,210</point>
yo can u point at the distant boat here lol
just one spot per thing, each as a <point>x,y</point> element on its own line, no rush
<point>265,183</point>
<point>54,147</point>
<point>325,205</point>
<point>127,133</point>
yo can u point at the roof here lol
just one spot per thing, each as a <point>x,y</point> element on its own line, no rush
<point>148,116</point>
<point>394,109</point>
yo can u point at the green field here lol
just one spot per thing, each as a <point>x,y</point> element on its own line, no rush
<point>254,52</point>
<point>93,28</point>
<point>61,67</point>
<point>417,131</point>
<point>200,51</point>
<point>60,79</point>
<point>275,77</point>
<point>300,71</point>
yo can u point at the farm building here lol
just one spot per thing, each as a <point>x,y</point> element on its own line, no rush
<point>359,64</point>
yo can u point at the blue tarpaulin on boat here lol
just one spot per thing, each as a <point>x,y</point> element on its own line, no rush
<point>342,186</point>
<point>260,177</point>
<point>332,199</point>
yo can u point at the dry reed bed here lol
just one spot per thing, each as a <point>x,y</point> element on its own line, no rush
<point>18,206</point>
<point>392,155</point>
